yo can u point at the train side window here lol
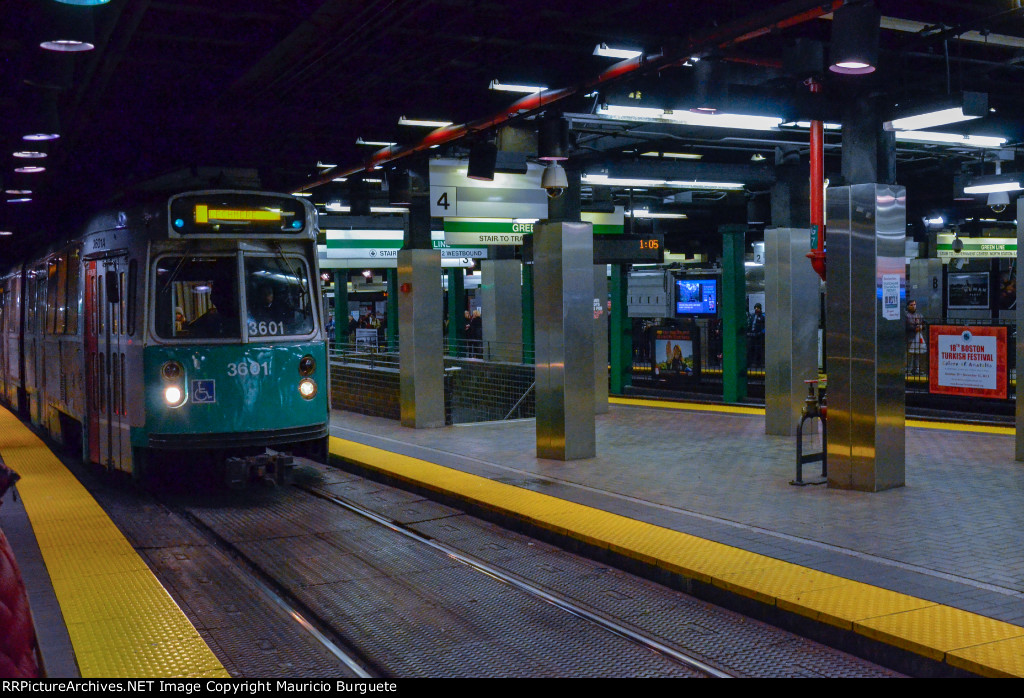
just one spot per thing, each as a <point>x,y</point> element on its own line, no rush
<point>51,296</point>
<point>60,308</point>
<point>133,273</point>
<point>74,275</point>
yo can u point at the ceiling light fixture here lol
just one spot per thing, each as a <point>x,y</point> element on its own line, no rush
<point>679,156</point>
<point>644,213</point>
<point>608,52</point>
<point>30,169</point>
<point>962,107</point>
<point>855,30</point>
<point>402,121</point>
<point>525,89</point>
<point>950,139</point>
<point>720,120</point>
<point>69,28</point>
<point>605,180</point>
<point>378,144</point>
<point>994,183</point>
<point>32,154</point>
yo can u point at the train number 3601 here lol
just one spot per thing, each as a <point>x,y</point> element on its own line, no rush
<point>248,368</point>
<point>263,329</point>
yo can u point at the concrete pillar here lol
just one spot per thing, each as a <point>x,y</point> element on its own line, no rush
<point>791,327</point>
<point>734,314</point>
<point>600,338</point>
<point>501,309</point>
<point>564,336</point>
<point>421,363</point>
<point>865,338</point>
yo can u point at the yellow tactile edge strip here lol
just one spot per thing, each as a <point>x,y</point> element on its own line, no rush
<point>736,409</point>
<point>961,639</point>
<point>121,621</point>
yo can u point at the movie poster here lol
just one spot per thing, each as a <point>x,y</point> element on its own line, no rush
<point>675,352</point>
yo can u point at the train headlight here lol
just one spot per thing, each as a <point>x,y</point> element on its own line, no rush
<point>307,388</point>
<point>172,370</point>
<point>173,395</point>
<point>307,364</point>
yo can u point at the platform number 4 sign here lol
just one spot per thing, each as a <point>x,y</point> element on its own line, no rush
<point>443,201</point>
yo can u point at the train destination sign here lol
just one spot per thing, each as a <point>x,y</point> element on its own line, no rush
<point>235,213</point>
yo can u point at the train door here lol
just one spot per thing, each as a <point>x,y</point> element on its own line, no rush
<point>35,299</point>
<point>105,349</point>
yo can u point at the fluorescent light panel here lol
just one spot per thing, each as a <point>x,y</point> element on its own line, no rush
<point>941,117</point>
<point>609,52</point>
<point>423,122</point>
<point>950,139</point>
<point>379,144</point>
<point>526,89</point>
<point>644,213</point>
<point>669,183</point>
<point>680,156</point>
<point>720,120</point>
<point>993,187</point>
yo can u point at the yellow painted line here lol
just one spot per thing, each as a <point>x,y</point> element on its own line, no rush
<point>121,621</point>
<point>966,640</point>
<point>736,409</point>
<point>694,406</point>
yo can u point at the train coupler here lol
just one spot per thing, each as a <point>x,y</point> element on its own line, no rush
<point>271,467</point>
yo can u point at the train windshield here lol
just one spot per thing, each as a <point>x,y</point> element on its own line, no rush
<point>197,297</point>
<point>278,298</point>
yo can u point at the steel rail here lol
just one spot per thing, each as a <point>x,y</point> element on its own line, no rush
<point>527,587</point>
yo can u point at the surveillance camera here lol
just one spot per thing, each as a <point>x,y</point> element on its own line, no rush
<point>554,180</point>
<point>958,245</point>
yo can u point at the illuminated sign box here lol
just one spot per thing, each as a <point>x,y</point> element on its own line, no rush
<point>221,214</point>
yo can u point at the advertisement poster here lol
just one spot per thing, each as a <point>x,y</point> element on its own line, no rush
<point>968,291</point>
<point>675,352</point>
<point>968,361</point>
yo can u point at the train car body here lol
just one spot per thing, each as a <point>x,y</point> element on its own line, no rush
<point>193,325</point>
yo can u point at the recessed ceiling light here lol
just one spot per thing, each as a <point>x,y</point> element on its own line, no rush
<point>40,137</point>
<point>30,169</point>
<point>6,232</point>
<point>19,201</point>
<point>67,45</point>
<point>18,192</point>
<point>29,154</point>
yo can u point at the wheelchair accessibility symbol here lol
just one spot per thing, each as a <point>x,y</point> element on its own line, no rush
<point>204,391</point>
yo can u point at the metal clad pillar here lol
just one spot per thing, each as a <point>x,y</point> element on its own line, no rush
<point>864,326</point>
<point>621,331</point>
<point>502,308</point>
<point>1020,335</point>
<point>791,328</point>
<point>564,335</point>
<point>419,325</point>
<point>600,338</point>
<point>734,314</point>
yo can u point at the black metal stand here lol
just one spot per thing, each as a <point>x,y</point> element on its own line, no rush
<point>812,409</point>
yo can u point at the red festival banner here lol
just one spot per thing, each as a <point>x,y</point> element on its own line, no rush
<point>968,361</point>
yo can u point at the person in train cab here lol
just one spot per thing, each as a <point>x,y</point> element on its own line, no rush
<point>917,346</point>
<point>179,318</point>
<point>221,318</point>
<point>268,308</point>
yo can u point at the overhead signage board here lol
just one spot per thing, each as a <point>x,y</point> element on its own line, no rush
<point>975,247</point>
<point>504,231</point>
<point>384,244</point>
<point>384,263</point>
<point>455,195</point>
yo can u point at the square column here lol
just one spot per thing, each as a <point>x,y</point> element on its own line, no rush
<point>563,271</point>
<point>865,341</point>
<point>791,327</point>
<point>502,309</point>
<point>421,364</point>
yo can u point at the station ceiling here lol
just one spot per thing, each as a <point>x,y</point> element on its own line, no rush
<point>277,87</point>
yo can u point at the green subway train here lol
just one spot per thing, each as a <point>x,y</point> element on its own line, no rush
<point>187,330</point>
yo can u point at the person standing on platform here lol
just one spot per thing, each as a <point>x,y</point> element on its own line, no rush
<point>755,336</point>
<point>475,335</point>
<point>917,346</point>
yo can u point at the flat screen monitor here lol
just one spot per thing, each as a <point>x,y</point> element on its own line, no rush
<point>696,297</point>
<point>968,291</point>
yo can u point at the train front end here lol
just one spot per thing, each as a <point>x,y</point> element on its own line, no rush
<point>235,366</point>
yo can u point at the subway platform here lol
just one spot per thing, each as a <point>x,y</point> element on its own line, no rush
<point>701,497</point>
